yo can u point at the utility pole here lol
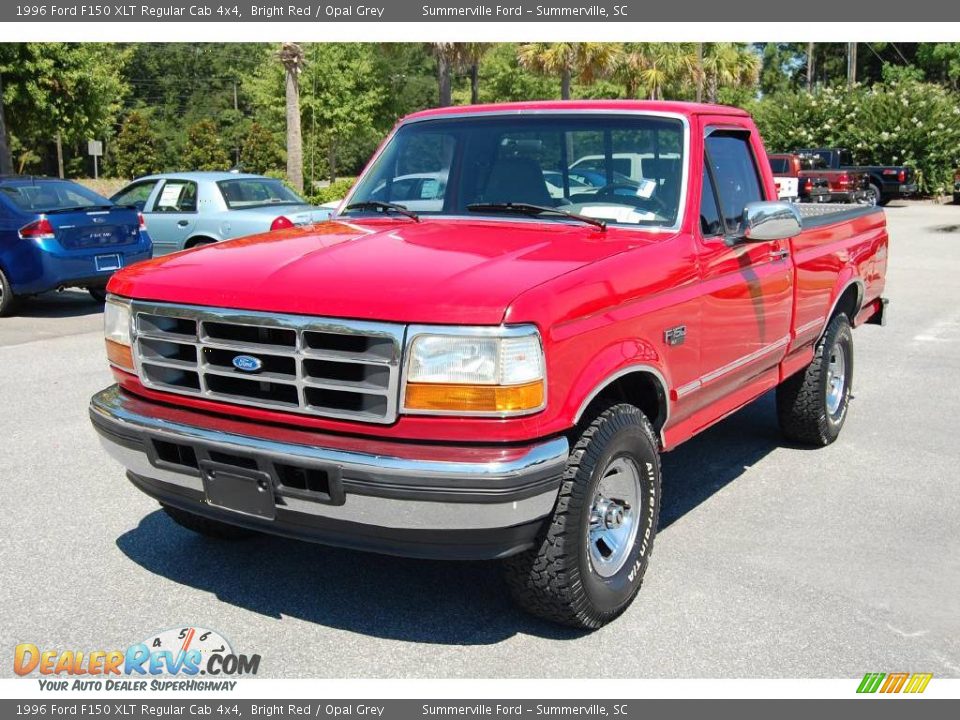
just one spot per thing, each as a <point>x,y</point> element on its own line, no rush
<point>851,64</point>
<point>810,67</point>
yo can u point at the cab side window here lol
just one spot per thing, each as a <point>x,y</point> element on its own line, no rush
<point>731,163</point>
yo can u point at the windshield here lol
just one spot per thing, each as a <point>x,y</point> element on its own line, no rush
<point>256,192</point>
<point>51,195</point>
<point>626,170</point>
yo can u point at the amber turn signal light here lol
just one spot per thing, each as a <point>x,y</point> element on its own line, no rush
<point>120,355</point>
<point>443,397</point>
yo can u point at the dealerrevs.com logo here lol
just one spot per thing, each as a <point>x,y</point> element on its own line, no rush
<point>892,683</point>
<point>184,653</point>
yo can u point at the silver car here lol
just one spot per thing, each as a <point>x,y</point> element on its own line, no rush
<point>183,210</point>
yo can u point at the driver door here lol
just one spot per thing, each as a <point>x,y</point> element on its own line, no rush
<point>748,287</point>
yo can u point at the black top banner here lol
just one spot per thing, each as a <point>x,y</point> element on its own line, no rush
<point>566,11</point>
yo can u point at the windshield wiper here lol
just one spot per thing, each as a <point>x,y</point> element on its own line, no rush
<point>383,206</point>
<point>534,210</point>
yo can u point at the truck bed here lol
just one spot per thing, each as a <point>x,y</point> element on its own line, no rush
<point>820,214</point>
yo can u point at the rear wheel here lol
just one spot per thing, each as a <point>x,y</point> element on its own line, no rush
<point>205,526</point>
<point>812,405</point>
<point>589,564</point>
<point>879,195</point>
<point>8,301</point>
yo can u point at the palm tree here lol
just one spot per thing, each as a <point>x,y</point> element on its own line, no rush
<point>729,65</point>
<point>809,67</point>
<point>446,55</point>
<point>699,77</point>
<point>470,55</point>
<point>586,61</point>
<point>291,55</point>
<point>653,67</point>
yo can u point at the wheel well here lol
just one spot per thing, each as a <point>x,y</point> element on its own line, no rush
<point>198,240</point>
<point>848,303</point>
<point>641,388</point>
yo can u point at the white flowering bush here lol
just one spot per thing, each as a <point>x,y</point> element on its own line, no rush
<point>899,123</point>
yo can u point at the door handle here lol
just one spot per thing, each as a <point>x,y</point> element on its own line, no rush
<point>182,223</point>
<point>779,254</point>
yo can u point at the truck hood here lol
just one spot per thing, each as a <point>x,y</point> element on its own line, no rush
<point>443,271</point>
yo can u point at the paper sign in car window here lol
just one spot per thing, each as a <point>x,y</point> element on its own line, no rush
<point>646,188</point>
<point>170,195</point>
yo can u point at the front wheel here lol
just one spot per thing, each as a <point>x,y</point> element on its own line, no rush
<point>589,564</point>
<point>812,405</point>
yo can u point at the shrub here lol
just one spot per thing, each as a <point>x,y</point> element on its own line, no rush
<point>335,191</point>
<point>901,122</point>
<point>204,149</point>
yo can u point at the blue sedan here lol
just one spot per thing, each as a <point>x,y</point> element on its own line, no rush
<point>56,233</point>
<point>187,209</point>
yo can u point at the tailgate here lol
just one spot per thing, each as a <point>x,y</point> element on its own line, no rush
<point>95,229</point>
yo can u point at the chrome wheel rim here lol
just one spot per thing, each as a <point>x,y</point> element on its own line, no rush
<point>613,523</point>
<point>836,381</point>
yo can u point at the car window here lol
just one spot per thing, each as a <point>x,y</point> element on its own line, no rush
<point>257,192</point>
<point>177,196</point>
<point>735,173</point>
<point>846,159</point>
<point>48,196</point>
<point>779,165</point>
<point>709,212</point>
<point>135,194</point>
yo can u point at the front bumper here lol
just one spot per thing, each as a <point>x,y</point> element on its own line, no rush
<point>396,498</point>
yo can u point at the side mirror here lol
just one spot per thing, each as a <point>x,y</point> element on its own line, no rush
<point>765,221</point>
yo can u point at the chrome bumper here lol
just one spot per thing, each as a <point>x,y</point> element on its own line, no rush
<point>380,495</point>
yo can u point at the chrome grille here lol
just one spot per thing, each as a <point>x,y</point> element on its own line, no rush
<point>317,366</point>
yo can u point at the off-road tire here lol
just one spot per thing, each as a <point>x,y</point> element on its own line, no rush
<point>205,526</point>
<point>555,580</point>
<point>8,301</point>
<point>802,398</point>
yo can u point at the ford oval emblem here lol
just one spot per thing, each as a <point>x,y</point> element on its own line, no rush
<point>247,363</point>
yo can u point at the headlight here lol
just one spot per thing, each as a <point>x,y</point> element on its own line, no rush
<point>116,332</point>
<point>474,371</point>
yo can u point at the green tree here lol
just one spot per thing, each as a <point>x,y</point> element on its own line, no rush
<point>70,91</point>
<point>261,152</point>
<point>504,79</point>
<point>135,149</point>
<point>204,149</point>
<point>343,103</point>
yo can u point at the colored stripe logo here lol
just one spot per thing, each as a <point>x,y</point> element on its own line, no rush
<point>913,683</point>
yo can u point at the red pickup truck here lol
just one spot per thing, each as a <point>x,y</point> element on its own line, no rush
<point>468,361</point>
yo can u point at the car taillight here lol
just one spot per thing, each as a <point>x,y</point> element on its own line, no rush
<point>902,176</point>
<point>844,180</point>
<point>281,223</point>
<point>37,230</point>
<point>142,221</point>
<point>808,184</point>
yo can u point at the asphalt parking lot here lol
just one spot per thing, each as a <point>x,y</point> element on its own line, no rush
<point>771,561</point>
